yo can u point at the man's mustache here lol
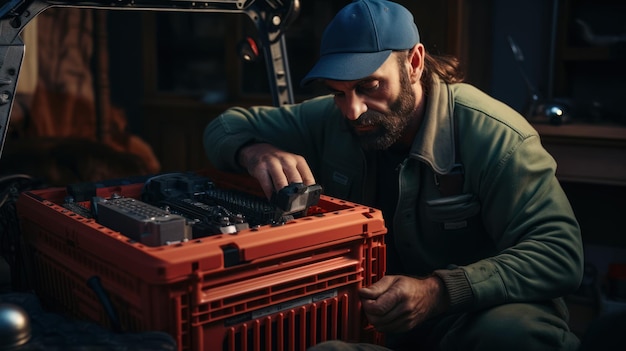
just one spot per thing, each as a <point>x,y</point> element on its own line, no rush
<point>369,118</point>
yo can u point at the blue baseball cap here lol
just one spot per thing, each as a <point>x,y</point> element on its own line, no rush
<point>360,38</point>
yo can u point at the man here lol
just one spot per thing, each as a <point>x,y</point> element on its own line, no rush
<point>482,241</point>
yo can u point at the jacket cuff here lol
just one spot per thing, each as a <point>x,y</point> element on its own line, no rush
<point>458,289</point>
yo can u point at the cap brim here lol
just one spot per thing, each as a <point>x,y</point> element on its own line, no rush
<point>346,66</point>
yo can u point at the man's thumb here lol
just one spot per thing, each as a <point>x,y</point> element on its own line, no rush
<point>373,291</point>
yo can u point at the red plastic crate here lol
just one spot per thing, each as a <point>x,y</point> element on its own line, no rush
<point>295,284</point>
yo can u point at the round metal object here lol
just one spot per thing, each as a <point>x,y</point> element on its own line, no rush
<point>556,113</point>
<point>15,329</point>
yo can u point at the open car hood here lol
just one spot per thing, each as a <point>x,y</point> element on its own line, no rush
<point>271,18</point>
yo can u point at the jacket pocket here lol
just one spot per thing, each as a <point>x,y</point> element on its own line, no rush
<point>337,182</point>
<point>457,230</point>
<point>454,212</point>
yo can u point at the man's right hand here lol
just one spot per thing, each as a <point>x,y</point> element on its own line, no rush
<point>274,168</point>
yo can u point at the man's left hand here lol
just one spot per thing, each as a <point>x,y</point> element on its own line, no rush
<point>399,303</point>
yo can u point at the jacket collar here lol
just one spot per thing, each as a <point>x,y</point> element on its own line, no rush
<point>434,142</point>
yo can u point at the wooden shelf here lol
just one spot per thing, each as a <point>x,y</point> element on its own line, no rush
<point>584,133</point>
<point>587,153</point>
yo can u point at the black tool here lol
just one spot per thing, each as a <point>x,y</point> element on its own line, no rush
<point>295,199</point>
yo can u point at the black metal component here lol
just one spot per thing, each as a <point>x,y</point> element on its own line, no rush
<point>271,27</point>
<point>271,17</point>
<point>295,198</point>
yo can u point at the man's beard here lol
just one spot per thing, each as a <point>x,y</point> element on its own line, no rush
<point>388,127</point>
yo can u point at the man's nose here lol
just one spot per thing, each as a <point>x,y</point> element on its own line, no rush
<point>354,107</point>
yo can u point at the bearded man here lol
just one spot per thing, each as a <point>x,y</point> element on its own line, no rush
<point>482,242</point>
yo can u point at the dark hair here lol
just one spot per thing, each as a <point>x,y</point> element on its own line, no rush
<point>446,67</point>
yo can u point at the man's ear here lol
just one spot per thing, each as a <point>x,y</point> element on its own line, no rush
<point>416,59</point>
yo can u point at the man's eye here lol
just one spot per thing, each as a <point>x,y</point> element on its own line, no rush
<point>334,92</point>
<point>369,86</point>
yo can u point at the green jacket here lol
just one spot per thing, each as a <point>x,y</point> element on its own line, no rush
<point>511,236</point>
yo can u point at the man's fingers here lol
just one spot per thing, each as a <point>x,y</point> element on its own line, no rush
<point>265,181</point>
<point>290,168</point>
<point>274,168</point>
<point>404,303</point>
<point>306,174</point>
<point>375,290</point>
<point>291,175</point>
